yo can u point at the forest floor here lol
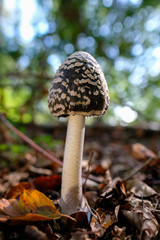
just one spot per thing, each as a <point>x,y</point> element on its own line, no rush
<point>121,184</point>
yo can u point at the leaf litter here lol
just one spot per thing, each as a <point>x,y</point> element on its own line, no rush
<point>124,202</point>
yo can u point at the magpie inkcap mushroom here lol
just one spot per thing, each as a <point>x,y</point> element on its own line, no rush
<point>78,89</point>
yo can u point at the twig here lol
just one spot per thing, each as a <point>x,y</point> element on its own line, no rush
<point>88,172</point>
<point>29,141</point>
<point>92,211</point>
<point>138,169</point>
<point>37,147</point>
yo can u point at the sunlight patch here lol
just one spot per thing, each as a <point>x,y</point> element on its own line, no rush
<point>126,114</point>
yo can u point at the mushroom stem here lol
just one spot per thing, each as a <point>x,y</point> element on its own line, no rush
<point>71,191</point>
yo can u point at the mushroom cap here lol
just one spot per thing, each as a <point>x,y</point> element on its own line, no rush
<point>78,87</point>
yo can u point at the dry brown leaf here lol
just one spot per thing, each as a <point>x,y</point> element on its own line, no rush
<point>140,216</point>
<point>96,227</point>
<point>139,188</point>
<point>107,219</point>
<point>104,221</point>
<point>144,221</point>
<point>134,218</point>
<point>81,221</point>
<point>112,194</point>
<point>14,178</point>
<point>34,233</point>
<point>150,226</point>
<point>80,235</point>
<point>118,233</point>
<point>142,153</point>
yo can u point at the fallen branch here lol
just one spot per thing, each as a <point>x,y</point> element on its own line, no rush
<point>29,141</point>
<point>35,146</point>
<point>138,170</point>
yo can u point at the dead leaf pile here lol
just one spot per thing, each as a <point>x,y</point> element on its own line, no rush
<point>123,202</point>
<point>125,206</point>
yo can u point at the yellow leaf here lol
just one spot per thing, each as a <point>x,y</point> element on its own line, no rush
<point>34,201</point>
<point>32,206</point>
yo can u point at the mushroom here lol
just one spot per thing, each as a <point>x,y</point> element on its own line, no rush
<point>79,89</point>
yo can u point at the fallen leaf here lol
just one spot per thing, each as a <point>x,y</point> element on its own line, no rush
<point>144,221</point>
<point>15,177</point>
<point>112,195</point>
<point>34,233</point>
<point>142,153</point>
<point>140,216</point>
<point>99,170</point>
<point>45,183</point>
<point>81,221</point>
<point>35,201</point>
<point>107,219</point>
<point>150,226</point>
<point>97,227</point>
<point>139,188</point>
<point>32,206</point>
<point>134,218</point>
<point>80,235</point>
<point>104,221</point>
<point>10,208</point>
<point>119,233</point>
<point>17,190</point>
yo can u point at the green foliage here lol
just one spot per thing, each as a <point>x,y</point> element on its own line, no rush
<point>12,154</point>
<point>3,147</point>
<point>18,149</point>
<point>122,35</point>
<point>48,141</point>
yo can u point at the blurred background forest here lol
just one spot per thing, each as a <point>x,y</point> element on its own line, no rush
<point>123,35</point>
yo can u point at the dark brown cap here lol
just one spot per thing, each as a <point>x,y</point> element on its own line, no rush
<point>78,88</point>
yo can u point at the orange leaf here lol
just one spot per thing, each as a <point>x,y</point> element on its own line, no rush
<point>17,190</point>
<point>35,201</point>
<point>31,206</point>
<point>29,217</point>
